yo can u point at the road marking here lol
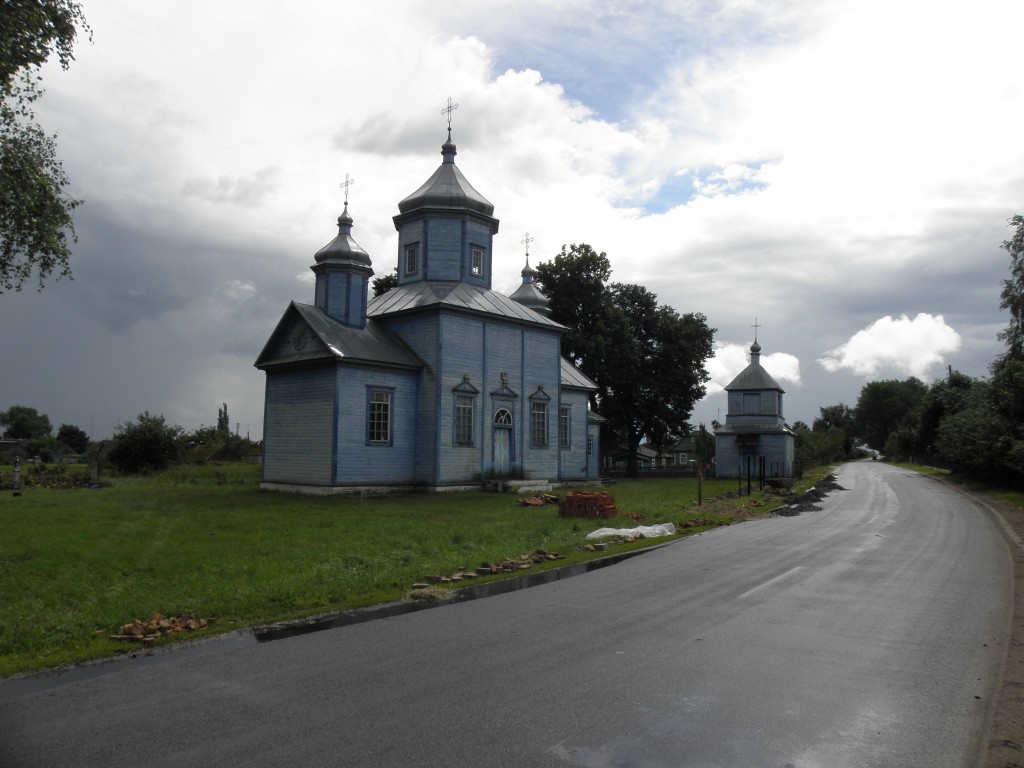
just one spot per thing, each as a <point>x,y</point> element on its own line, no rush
<point>768,583</point>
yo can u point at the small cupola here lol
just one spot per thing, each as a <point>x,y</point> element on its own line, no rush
<point>528,294</point>
<point>343,270</point>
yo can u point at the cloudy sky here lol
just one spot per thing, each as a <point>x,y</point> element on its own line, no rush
<point>841,170</point>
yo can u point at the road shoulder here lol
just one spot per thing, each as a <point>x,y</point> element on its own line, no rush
<point>1004,745</point>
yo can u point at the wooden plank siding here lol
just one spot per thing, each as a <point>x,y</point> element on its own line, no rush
<point>299,426</point>
<point>360,461</point>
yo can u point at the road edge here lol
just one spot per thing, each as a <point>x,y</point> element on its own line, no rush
<point>1003,731</point>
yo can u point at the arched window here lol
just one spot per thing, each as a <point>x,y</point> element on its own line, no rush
<point>503,417</point>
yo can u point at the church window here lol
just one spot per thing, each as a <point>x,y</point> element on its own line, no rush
<point>477,265</point>
<point>379,416</point>
<point>565,427</point>
<point>411,259</point>
<point>539,424</point>
<point>464,419</point>
<point>590,445</point>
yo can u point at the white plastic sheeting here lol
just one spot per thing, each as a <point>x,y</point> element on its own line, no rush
<point>643,531</point>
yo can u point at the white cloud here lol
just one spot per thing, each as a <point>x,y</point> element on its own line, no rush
<point>905,346</point>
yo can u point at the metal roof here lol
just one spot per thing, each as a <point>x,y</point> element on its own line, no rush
<point>573,377</point>
<point>447,188</point>
<point>373,344</point>
<point>753,429</point>
<point>453,295</point>
<point>754,376</point>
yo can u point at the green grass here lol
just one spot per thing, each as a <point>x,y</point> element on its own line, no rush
<point>76,564</point>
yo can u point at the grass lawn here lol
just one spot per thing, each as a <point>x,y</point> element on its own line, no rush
<point>77,564</point>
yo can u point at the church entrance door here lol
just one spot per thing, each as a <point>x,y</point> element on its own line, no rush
<point>502,441</point>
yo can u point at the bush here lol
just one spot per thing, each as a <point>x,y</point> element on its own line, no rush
<point>147,444</point>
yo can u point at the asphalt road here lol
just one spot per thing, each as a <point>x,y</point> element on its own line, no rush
<point>866,634</point>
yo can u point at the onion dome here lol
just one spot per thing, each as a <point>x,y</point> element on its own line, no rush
<point>528,294</point>
<point>343,251</point>
<point>447,188</point>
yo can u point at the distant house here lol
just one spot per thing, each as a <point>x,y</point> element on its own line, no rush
<point>683,452</point>
<point>11,450</point>
<point>754,428</point>
<point>646,458</point>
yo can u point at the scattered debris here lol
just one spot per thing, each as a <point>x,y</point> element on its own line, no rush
<point>805,502</point>
<point>699,523</point>
<point>509,565</point>
<point>158,625</point>
<point>587,504</point>
<point>538,500</point>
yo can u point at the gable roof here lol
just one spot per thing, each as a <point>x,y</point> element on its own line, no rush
<point>373,344</point>
<point>452,295</point>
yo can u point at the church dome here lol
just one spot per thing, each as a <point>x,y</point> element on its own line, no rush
<point>447,188</point>
<point>343,250</point>
<point>528,294</point>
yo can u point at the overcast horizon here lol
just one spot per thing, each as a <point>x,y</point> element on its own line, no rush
<point>842,171</point>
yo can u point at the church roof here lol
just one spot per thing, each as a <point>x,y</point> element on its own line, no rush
<point>447,188</point>
<point>754,376</point>
<point>573,378</point>
<point>528,294</point>
<point>733,428</point>
<point>343,250</point>
<point>462,296</point>
<point>373,344</point>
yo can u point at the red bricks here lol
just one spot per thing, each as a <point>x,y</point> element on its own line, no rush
<point>587,504</point>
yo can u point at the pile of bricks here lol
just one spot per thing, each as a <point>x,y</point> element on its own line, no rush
<point>509,565</point>
<point>587,504</point>
<point>157,625</point>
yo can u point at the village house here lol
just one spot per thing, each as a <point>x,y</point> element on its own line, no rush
<point>440,383</point>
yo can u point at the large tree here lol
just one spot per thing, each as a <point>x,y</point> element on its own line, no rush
<point>646,359</point>
<point>887,407</point>
<point>23,423</point>
<point>1013,292</point>
<point>35,209</point>
<point>73,437</point>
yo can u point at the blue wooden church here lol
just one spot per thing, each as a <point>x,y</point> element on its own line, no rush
<point>440,383</point>
<point>754,428</point>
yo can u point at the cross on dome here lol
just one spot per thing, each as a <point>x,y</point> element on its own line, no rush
<point>526,241</point>
<point>348,182</point>
<point>447,111</point>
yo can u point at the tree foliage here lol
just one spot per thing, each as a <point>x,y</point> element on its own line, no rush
<point>23,423</point>
<point>35,209</point>
<point>646,359</point>
<point>887,406</point>
<point>1012,296</point>
<point>385,283</point>
<point>146,444</point>
<point>73,437</point>
<point>223,423</point>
